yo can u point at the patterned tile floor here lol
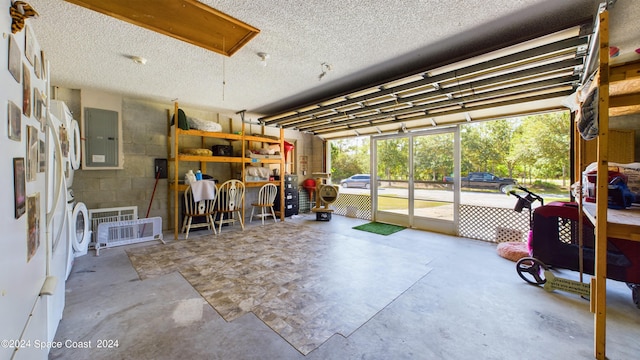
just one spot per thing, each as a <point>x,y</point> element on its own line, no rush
<point>305,287</point>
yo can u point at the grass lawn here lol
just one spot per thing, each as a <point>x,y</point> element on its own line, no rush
<point>394,203</point>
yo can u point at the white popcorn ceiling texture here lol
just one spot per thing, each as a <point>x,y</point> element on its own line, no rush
<point>363,41</point>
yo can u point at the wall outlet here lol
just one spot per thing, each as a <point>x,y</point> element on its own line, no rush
<point>160,167</point>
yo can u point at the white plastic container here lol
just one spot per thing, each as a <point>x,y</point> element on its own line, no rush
<point>189,177</point>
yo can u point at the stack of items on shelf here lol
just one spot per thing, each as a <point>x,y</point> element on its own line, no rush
<point>197,152</point>
<point>264,153</point>
<point>254,173</point>
<point>203,125</point>
<point>187,123</point>
<point>624,185</point>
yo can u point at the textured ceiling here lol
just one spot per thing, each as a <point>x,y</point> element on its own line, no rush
<point>364,41</point>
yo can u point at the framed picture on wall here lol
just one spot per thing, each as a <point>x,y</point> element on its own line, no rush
<point>33,221</point>
<point>29,45</point>
<point>39,110</point>
<point>14,121</point>
<point>41,156</point>
<point>19,187</point>
<point>37,67</point>
<point>43,61</point>
<point>26,90</point>
<point>14,58</point>
<point>33,151</point>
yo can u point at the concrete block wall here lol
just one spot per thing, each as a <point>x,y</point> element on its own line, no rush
<point>145,125</point>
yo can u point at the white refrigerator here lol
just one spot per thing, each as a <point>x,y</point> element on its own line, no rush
<point>31,286</point>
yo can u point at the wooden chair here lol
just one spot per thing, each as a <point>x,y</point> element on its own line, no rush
<point>192,209</point>
<point>266,197</point>
<point>229,203</point>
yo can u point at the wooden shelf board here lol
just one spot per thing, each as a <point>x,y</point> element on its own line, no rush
<point>621,224</point>
<point>262,161</point>
<point>197,158</point>
<point>209,134</point>
<point>260,183</point>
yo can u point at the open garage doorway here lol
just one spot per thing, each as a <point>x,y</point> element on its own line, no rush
<point>416,172</point>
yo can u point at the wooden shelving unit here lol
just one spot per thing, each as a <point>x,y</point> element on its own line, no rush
<point>619,93</point>
<point>178,159</point>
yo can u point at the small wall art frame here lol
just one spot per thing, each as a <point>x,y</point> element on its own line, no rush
<point>33,221</point>
<point>26,90</point>
<point>33,151</point>
<point>15,56</point>
<point>19,187</point>
<point>14,121</point>
<point>42,156</point>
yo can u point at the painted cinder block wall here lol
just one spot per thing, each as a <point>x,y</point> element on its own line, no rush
<point>144,138</point>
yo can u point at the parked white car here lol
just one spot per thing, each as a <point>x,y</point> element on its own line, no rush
<point>358,180</point>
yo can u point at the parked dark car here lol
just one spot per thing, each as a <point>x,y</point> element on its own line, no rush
<point>483,180</point>
<point>358,180</point>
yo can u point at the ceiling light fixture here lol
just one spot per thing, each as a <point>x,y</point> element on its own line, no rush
<point>139,60</point>
<point>263,58</point>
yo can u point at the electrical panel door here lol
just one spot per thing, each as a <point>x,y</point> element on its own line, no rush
<point>102,142</point>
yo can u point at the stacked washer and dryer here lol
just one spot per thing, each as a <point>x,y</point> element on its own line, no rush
<point>78,234</point>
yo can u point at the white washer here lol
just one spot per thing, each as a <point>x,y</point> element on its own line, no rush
<point>79,224</point>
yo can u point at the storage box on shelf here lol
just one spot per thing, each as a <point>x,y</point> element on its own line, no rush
<point>178,159</point>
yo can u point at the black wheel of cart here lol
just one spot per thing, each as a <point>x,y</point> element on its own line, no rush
<point>635,294</point>
<point>531,270</point>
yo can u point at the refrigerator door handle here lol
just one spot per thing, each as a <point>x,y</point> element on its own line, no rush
<point>58,170</point>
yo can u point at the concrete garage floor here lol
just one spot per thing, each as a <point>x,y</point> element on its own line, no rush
<point>459,300</point>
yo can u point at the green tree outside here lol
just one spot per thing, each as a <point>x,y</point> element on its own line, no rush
<point>528,148</point>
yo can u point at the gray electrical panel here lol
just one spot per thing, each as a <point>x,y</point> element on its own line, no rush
<point>101,133</point>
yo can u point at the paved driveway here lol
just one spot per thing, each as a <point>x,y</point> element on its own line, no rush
<point>494,199</point>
